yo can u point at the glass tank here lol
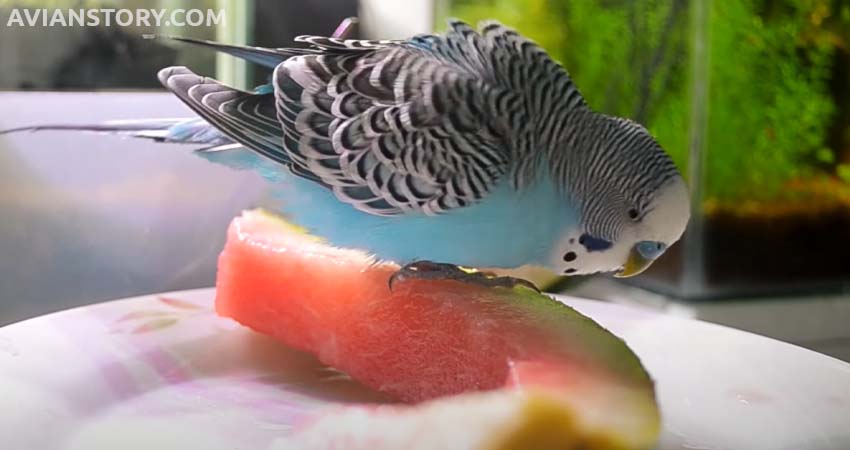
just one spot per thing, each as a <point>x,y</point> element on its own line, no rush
<point>752,100</point>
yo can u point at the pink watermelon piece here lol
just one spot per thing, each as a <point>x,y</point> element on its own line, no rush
<point>426,340</point>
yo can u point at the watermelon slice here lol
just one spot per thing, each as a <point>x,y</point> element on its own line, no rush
<point>552,375</point>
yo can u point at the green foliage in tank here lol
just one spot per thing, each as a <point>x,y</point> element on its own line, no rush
<point>771,105</point>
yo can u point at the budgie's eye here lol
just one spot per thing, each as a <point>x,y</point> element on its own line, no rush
<point>633,214</point>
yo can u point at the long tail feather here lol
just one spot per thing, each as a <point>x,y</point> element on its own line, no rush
<point>110,126</point>
<point>267,57</point>
<point>179,130</point>
<point>213,146</point>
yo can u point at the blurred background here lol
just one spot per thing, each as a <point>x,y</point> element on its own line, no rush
<point>750,97</point>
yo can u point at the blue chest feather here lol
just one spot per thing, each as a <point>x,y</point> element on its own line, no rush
<point>508,228</point>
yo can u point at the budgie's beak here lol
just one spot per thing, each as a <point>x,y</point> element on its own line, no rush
<point>635,264</point>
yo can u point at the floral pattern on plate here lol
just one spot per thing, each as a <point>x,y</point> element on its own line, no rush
<point>164,372</point>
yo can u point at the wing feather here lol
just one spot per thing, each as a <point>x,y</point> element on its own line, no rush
<point>424,125</point>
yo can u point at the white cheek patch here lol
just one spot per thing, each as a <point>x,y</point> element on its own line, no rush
<point>570,257</point>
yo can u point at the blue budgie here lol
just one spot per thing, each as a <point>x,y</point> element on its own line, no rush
<point>473,148</point>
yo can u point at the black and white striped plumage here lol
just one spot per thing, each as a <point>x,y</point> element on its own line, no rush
<point>427,124</point>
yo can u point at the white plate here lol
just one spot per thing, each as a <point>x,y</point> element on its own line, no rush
<point>163,372</point>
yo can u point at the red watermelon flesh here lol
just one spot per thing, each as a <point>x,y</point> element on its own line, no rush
<point>427,339</point>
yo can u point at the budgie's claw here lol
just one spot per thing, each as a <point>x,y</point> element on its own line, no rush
<point>429,270</point>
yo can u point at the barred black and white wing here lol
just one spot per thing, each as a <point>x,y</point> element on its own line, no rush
<point>391,132</point>
<point>428,124</point>
<point>424,125</point>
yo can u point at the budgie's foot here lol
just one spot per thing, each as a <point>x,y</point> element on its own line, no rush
<point>429,270</point>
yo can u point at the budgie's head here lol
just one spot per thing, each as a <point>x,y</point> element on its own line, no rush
<point>633,203</point>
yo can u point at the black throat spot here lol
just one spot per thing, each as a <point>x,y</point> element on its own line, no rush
<point>594,244</point>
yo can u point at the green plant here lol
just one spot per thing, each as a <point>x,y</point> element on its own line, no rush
<point>769,99</point>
